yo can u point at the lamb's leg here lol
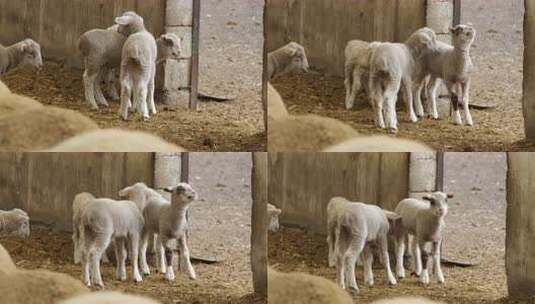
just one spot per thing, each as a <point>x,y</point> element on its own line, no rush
<point>424,276</point>
<point>160,255</point>
<point>140,99</point>
<point>391,97</point>
<point>169,271</point>
<point>348,83</point>
<point>342,247</point>
<point>90,78</point>
<point>98,90</point>
<point>120,257</point>
<point>411,116</point>
<point>85,265</point>
<point>378,100</point>
<point>466,103</point>
<point>367,256</point>
<point>331,242</point>
<point>355,86</point>
<point>111,88</point>
<point>185,262</point>
<point>456,116</point>
<point>356,245</point>
<point>436,261</point>
<point>151,93</point>
<point>418,106</point>
<point>134,256</point>
<point>432,89</point>
<point>417,262</point>
<point>101,243</point>
<point>143,252</point>
<point>383,247</point>
<point>126,93</point>
<point>400,252</point>
<point>76,242</point>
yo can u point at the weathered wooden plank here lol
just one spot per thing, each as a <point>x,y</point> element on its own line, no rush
<point>529,70</point>
<point>520,232</point>
<point>259,222</point>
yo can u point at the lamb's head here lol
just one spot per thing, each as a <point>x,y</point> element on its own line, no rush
<point>299,58</point>
<point>31,53</point>
<point>136,193</point>
<point>169,47</point>
<point>20,223</point>
<point>463,35</point>
<point>438,202</point>
<point>273,215</point>
<point>184,192</point>
<point>130,23</point>
<point>422,42</point>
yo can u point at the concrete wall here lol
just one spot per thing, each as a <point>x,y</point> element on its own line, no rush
<point>44,184</point>
<point>423,173</point>
<point>520,232</point>
<point>529,69</point>
<point>325,26</point>
<point>302,184</point>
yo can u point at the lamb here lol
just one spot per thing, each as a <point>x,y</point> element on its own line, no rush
<point>273,214</point>
<point>140,194</point>
<point>115,140</point>
<point>101,50</point>
<point>138,64</point>
<point>291,57</point>
<point>16,222</point>
<point>379,144</point>
<point>109,297</point>
<point>26,52</point>
<point>168,220</point>
<point>4,90</point>
<point>6,263</point>
<point>12,102</point>
<point>358,225</point>
<point>276,107</point>
<point>423,219</point>
<point>80,202</point>
<point>38,287</point>
<point>335,209</point>
<point>357,68</point>
<point>300,288</point>
<point>307,133</point>
<point>40,128</point>
<point>393,65</point>
<point>454,66</point>
<point>103,220</point>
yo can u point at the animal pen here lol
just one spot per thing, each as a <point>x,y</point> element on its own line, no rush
<point>501,100</point>
<point>485,254</point>
<point>226,228</point>
<point>182,119</point>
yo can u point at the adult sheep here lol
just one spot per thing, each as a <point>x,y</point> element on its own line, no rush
<point>40,128</point>
<point>379,144</point>
<point>109,297</point>
<point>307,133</point>
<point>6,263</point>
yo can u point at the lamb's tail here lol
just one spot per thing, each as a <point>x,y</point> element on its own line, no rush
<point>380,73</point>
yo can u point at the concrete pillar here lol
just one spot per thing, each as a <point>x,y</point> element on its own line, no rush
<point>422,173</point>
<point>520,232</point>
<point>440,18</point>
<point>528,98</point>
<point>176,78</point>
<point>167,170</point>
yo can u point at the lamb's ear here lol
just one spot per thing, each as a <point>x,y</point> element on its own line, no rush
<point>123,20</point>
<point>168,189</point>
<point>449,195</point>
<point>168,40</point>
<point>427,197</point>
<point>124,192</point>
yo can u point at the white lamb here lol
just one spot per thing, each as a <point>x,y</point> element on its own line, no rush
<point>291,57</point>
<point>358,225</point>
<point>453,65</point>
<point>103,220</point>
<point>423,219</point>
<point>168,221</point>
<point>15,222</point>
<point>357,68</point>
<point>140,194</point>
<point>108,297</point>
<point>273,215</point>
<point>138,63</point>
<point>393,65</point>
<point>335,209</point>
<point>101,50</point>
<point>26,52</point>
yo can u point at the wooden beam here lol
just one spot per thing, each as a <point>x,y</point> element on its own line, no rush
<point>439,179</point>
<point>259,186</point>
<point>456,12</point>
<point>195,44</point>
<point>184,167</point>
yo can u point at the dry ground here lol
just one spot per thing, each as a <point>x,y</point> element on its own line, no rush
<point>231,40</point>
<point>475,232</point>
<point>497,55</point>
<point>220,228</point>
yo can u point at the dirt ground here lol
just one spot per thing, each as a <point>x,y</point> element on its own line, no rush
<point>497,82</point>
<point>220,229</point>
<point>231,40</point>
<point>475,232</point>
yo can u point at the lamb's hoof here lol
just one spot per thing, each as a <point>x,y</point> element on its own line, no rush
<point>393,282</point>
<point>424,278</point>
<point>146,272</point>
<point>193,276</point>
<point>392,130</point>
<point>370,282</point>
<point>98,285</point>
<point>138,279</point>
<point>354,290</point>
<point>94,109</point>
<point>413,118</point>
<point>146,118</point>
<point>415,274</point>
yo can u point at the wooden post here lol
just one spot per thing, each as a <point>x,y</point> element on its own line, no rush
<point>184,167</point>
<point>439,181</point>
<point>259,186</point>
<point>456,12</point>
<point>265,74</point>
<point>194,96</point>
<point>520,231</point>
<point>528,99</point>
